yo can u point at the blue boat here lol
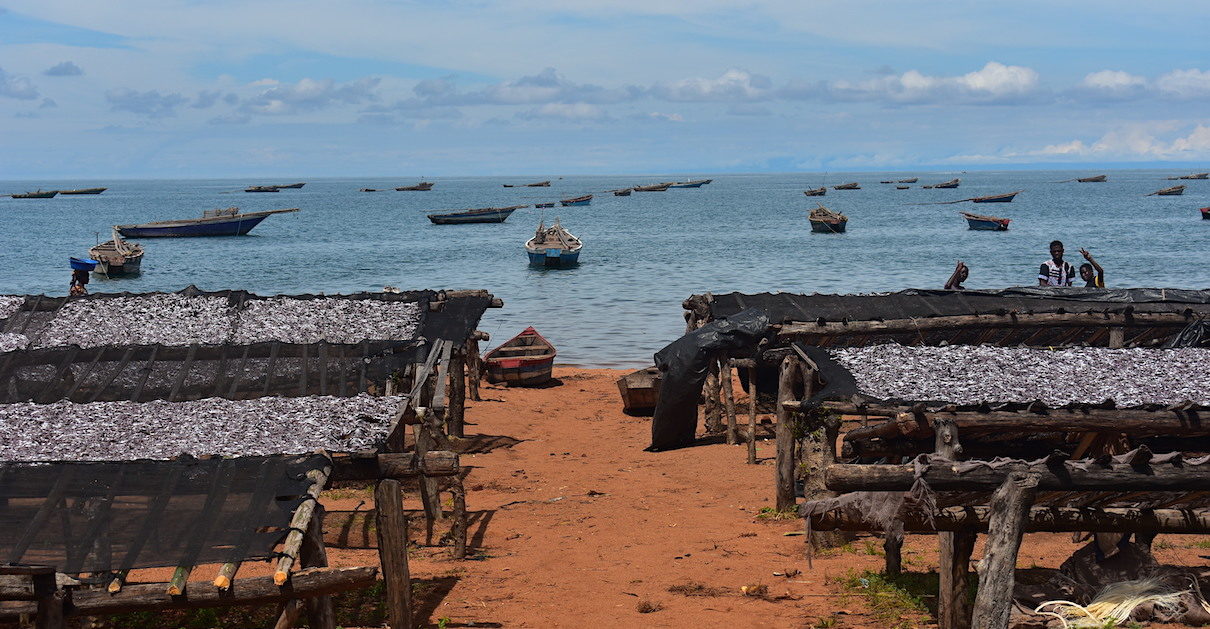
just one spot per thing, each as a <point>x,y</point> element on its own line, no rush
<point>225,222</point>
<point>78,264</point>
<point>584,200</point>
<point>986,223</point>
<point>553,246</point>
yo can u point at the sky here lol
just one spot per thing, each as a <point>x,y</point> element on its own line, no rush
<point>197,88</point>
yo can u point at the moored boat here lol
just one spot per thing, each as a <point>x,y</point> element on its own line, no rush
<point>997,198</point>
<point>483,215</point>
<point>1174,191</point>
<point>525,360</point>
<point>658,187</point>
<point>373,190</point>
<point>696,183</point>
<point>261,189</point>
<point>84,191</point>
<point>420,187</point>
<point>40,194</point>
<point>848,186</point>
<point>816,192</point>
<point>909,180</point>
<point>825,221</point>
<point>222,222</point>
<point>1193,176</point>
<point>292,185</point>
<point>902,187</point>
<point>584,200</point>
<point>547,204</point>
<point>553,246</point>
<point>986,223</point>
<point>624,192</point>
<point>952,183</point>
<point>117,257</point>
<point>640,391</point>
<point>1205,213</point>
<point>1093,179</point>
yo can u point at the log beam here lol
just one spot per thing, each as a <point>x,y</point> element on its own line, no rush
<point>395,465</point>
<point>1137,422</point>
<point>1060,476</point>
<point>1041,519</point>
<point>1010,506</point>
<point>1012,320</point>
<point>785,435</point>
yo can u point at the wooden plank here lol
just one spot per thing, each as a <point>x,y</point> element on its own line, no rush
<point>1010,506</point>
<point>392,553</point>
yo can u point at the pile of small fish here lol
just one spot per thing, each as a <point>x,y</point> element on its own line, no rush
<point>168,318</point>
<point>10,341</point>
<point>119,431</point>
<point>325,319</point>
<point>173,319</point>
<point>973,374</point>
<point>10,304</point>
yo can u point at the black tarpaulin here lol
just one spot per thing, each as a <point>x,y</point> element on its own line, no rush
<point>684,364</point>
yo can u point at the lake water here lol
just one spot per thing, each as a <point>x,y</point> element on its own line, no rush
<point>642,255</point>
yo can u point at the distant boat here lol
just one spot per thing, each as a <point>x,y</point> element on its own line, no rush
<point>640,391</point>
<point>225,222</point>
<point>658,187</point>
<point>1174,191</point>
<point>117,257</point>
<point>420,187</point>
<point>816,192</point>
<point>997,198</point>
<point>902,187</point>
<point>1094,179</point>
<point>1205,213</point>
<point>952,183</point>
<point>261,189</point>
<point>525,360</point>
<point>547,204</point>
<point>624,192</point>
<point>1193,176</point>
<point>986,223</point>
<point>537,184</point>
<point>909,180</point>
<point>553,246</point>
<point>697,183</point>
<point>848,186</point>
<point>584,200</point>
<point>825,221</point>
<point>373,190</point>
<point>886,182</point>
<point>40,194</point>
<point>292,185</point>
<point>84,191</point>
<point>484,215</point>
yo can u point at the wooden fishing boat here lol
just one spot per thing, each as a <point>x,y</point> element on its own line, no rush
<point>547,204</point>
<point>986,223</point>
<point>816,192</point>
<point>482,215</point>
<point>117,257</point>
<point>537,184</point>
<point>1174,191</point>
<point>902,187</point>
<point>886,182</point>
<point>584,200</point>
<point>40,194</point>
<point>84,191</point>
<point>848,186</point>
<point>697,183</point>
<point>420,187</point>
<point>223,222</point>
<point>909,180</point>
<point>553,246</point>
<point>624,192</point>
<point>522,361</point>
<point>640,391</point>
<point>292,185</point>
<point>1193,176</point>
<point>952,183</point>
<point>825,221</point>
<point>997,198</point>
<point>373,190</point>
<point>659,187</point>
<point>261,189</point>
<point>1205,213</point>
<point>1094,179</point>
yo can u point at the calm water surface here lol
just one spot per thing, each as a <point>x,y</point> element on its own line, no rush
<point>643,254</point>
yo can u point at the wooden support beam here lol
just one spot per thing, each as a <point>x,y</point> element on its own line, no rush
<point>320,614</point>
<point>1137,422</point>
<point>1061,476</point>
<point>1011,320</point>
<point>457,410</point>
<point>180,576</point>
<point>250,591</point>
<point>785,434</point>
<point>458,491</point>
<point>752,413</point>
<point>953,608</point>
<point>299,523</point>
<point>1010,506</point>
<point>474,368</point>
<point>392,553</point>
<point>1041,519</point>
<point>394,465</point>
<point>713,408</point>
<point>728,401</point>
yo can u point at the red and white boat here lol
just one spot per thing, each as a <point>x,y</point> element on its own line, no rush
<point>522,361</point>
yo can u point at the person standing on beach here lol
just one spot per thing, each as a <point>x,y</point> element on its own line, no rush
<point>961,272</point>
<point>1091,280</point>
<point>79,283</point>
<point>1056,271</point>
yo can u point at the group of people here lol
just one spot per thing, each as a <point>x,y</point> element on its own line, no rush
<point>1054,272</point>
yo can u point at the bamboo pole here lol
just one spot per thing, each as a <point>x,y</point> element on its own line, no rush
<point>226,573</point>
<point>299,523</point>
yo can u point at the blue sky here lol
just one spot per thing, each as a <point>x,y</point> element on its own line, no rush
<point>177,88</point>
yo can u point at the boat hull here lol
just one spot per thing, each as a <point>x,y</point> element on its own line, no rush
<point>84,191</point>
<point>817,192</point>
<point>691,184</point>
<point>553,258</point>
<point>1004,198</point>
<point>131,266</point>
<point>36,195</point>
<point>984,225</point>
<point>234,227</point>
<point>824,227</point>
<point>463,219</point>
<point>575,203</point>
<point>1206,213</point>
<point>520,372</point>
<point>640,391</point>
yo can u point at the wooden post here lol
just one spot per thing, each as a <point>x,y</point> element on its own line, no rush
<point>816,450</point>
<point>892,546</point>
<point>457,407</point>
<point>458,490</point>
<point>752,414</point>
<point>320,613</point>
<point>50,600</point>
<point>430,493</point>
<point>1117,336</point>
<point>728,400</point>
<point>713,409</point>
<point>392,553</point>
<point>785,435</point>
<point>1010,507</point>
<point>953,608</point>
<point>474,365</point>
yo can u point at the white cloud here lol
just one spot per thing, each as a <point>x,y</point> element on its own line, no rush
<point>734,85</point>
<point>1185,83</point>
<point>1136,142</point>
<point>1111,85</point>
<point>309,95</point>
<point>664,117</point>
<point>995,83</point>
<point>547,86</point>
<point>566,111</point>
<point>17,87</point>
<point>151,103</point>
<point>66,68</point>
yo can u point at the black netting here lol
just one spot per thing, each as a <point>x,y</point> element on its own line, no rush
<point>96,517</point>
